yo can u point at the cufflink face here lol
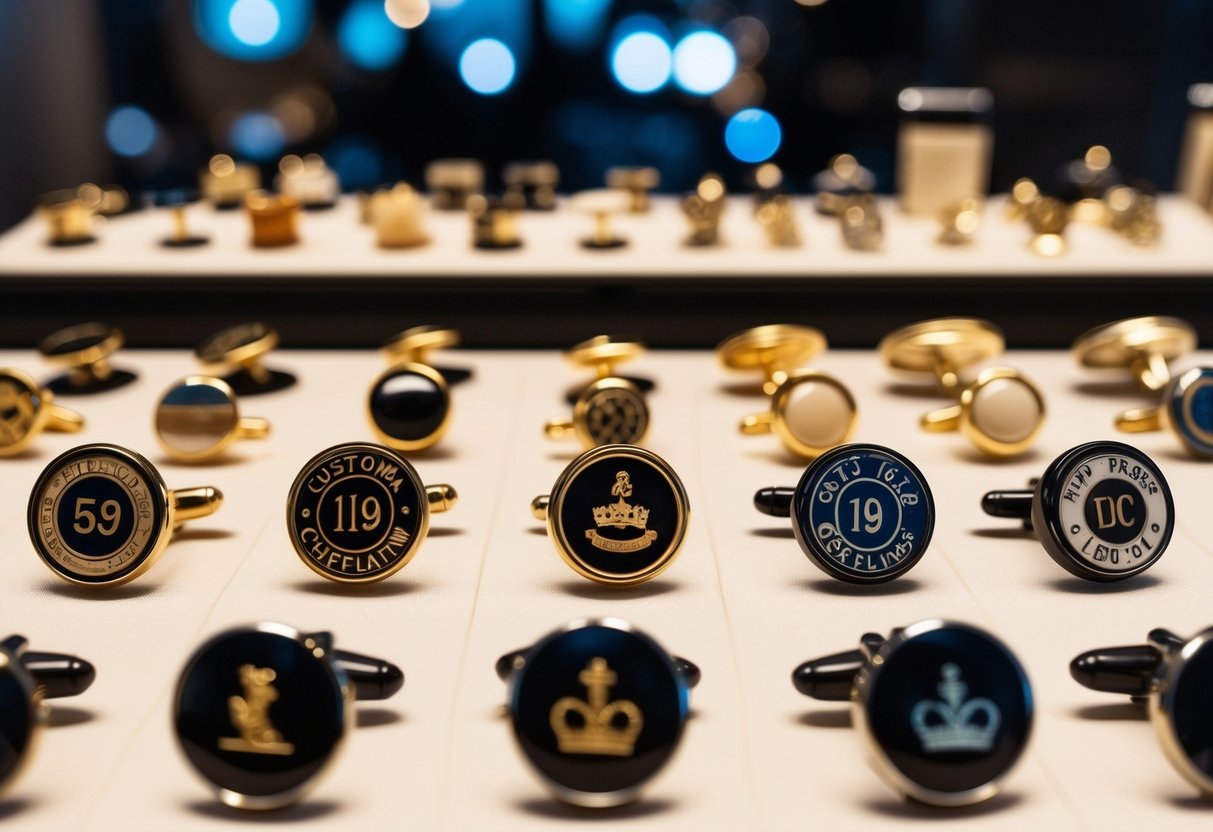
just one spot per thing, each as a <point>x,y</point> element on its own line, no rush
<point>85,350</point>
<point>409,406</point>
<point>813,412</point>
<point>242,348</point>
<point>1001,412</point>
<point>1189,409</point>
<point>947,711</point>
<point>1180,712</point>
<point>618,515</point>
<point>611,411</point>
<point>863,513</point>
<point>20,717</point>
<point>197,419</point>
<point>1104,511</point>
<point>597,709</point>
<point>259,713</point>
<point>357,513</point>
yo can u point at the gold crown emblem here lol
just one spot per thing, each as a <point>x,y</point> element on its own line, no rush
<point>621,515</point>
<point>250,715</point>
<point>601,731</point>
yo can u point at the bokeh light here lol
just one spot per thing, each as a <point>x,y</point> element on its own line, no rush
<point>258,136</point>
<point>487,66</point>
<point>254,22</point>
<point>407,14</point>
<point>357,161</point>
<point>253,30</point>
<point>704,62</point>
<point>753,135</point>
<point>641,62</point>
<point>130,131</point>
<point>368,38</point>
<point>575,24</point>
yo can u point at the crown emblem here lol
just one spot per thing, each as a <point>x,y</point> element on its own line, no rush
<point>605,727</point>
<point>954,724</point>
<point>250,715</point>
<point>621,515</point>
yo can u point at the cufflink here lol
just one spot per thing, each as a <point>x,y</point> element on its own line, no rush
<point>777,217</point>
<point>241,348</point>
<point>944,708</point>
<point>773,350</point>
<point>960,221</point>
<point>357,513</point>
<point>26,679</point>
<point>1085,181</point>
<point>1103,511</point>
<point>1186,410</point>
<point>1001,412</point>
<point>494,223</point>
<point>861,223</point>
<point>943,348</point>
<point>198,419</point>
<point>101,515</point>
<point>409,404</point>
<point>703,209</point>
<point>398,215</point>
<point>452,182</point>
<point>260,711</point>
<point>603,354</point>
<point>617,515</point>
<point>85,350</point>
<point>534,183</point>
<point>842,181</point>
<point>225,183</point>
<point>861,513</point>
<point>415,344</point>
<point>1048,219</point>
<point>1133,213</point>
<point>610,411</point>
<point>811,412</point>
<point>308,180</point>
<point>1171,676</point>
<point>69,222</point>
<point>274,219</point>
<point>637,181</point>
<point>602,204</point>
<point>1142,346</point>
<point>597,709</point>
<point>175,202</point>
<point>26,410</point>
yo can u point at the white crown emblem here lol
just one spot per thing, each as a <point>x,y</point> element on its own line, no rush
<point>954,724</point>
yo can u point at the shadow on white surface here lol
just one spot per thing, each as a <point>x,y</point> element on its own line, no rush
<point>916,391</point>
<point>593,592</point>
<point>1190,802</point>
<point>899,586</point>
<point>390,588</point>
<point>300,812</point>
<point>555,810</point>
<point>1112,389</point>
<point>1118,711</point>
<point>828,718</point>
<point>970,455</point>
<point>1081,586</point>
<point>15,806</point>
<point>746,389</point>
<point>777,532</point>
<point>191,533</point>
<point>434,454</point>
<point>1005,533</point>
<point>775,457</point>
<point>114,593</point>
<point>378,717</point>
<point>446,531</point>
<point>62,716</point>
<point>913,810</point>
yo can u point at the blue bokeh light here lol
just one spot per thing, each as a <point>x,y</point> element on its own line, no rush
<point>254,22</point>
<point>130,131</point>
<point>257,136</point>
<point>368,38</point>
<point>575,24</point>
<point>641,62</point>
<point>253,30</point>
<point>357,162</point>
<point>487,66</point>
<point>704,62</point>
<point>753,135</point>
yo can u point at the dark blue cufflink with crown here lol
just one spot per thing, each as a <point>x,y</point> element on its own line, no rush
<point>945,708</point>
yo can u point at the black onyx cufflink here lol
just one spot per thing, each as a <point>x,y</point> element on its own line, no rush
<point>610,411</point>
<point>1172,677</point>
<point>409,404</point>
<point>861,513</point>
<point>85,351</point>
<point>240,349</point>
<point>945,708</point>
<point>357,513</point>
<point>1186,410</point>
<point>774,350</point>
<point>176,202</point>
<point>617,515</point>
<point>260,712</point>
<point>26,679</point>
<point>811,412</point>
<point>598,709</point>
<point>198,419</point>
<point>100,515</point>
<point>26,410</point>
<point>1142,347</point>
<point>1103,511</point>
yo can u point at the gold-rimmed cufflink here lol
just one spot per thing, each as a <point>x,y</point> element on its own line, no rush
<point>240,349</point>
<point>274,219</point>
<point>776,215</point>
<point>85,350</point>
<point>409,404</point>
<point>198,419</point>
<point>1084,183</point>
<point>26,410</point>
<point>637,181</point>
<point>618,515</point>
<point>100,515</point>
<point>533,183</point>
<point>603,354</point>
<point>942,348</point>
<point>610,411</point>
<point>398,215</point>
<point>175,203</point>
<point>602,204</point>
<point>1048,218</point>
<point>810,412</point>
<point>452,182</point>
<point>1133,213</point>
<point>704,208</point>
<point>1142,346</point>
<point>225,182</point>
<point>1002,412</point>
<point>69,222</point>
<point>494,223</point>
<point>774,350</point>
<point>415,344</point>
<point>861,223</point>
<point>309,180</point>
<point>960,222</point>
<point>1186,410</point>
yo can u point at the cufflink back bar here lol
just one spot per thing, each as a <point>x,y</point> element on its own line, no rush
<point>1001,412</point>
<point>273,218</point>
<point>197,420</point>
<point>603,354</point>
<point>618,515</point>
<point>1142,346</point>
<point>85,350</point>
<point>225,182</point>
<point>773,350</point>
<point>241,348</point>
<point>637,181</point>
<point>175,202</point>
<point>1103,511</point>
<point>1186,410</point>
<point>26,410</point>
<point>942,347</point>
<point>861,513</point>
<point>598,709</point>
<point>1172,676</point>
<point>260,712</point>
<point>811,412</point>
<point>610,411</point>
<point>945,708</point>
<point>602,204</point>
<point>415,344</point>
<point>535,182</point>
<point>358,513</point>
<point>101,515</point>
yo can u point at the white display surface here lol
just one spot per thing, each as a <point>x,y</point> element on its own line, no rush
<point>741,601</point>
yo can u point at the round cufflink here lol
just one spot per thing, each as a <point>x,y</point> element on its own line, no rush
<point>225,182</point>
<point>1171,676</point>
<point>618,515</point>
<point>1001,412</point>
<point>85,350</point>
<point>26,410</point>
<point>945,708</point>
<point>358,513</point>
<point>416,344</point>
<point>942,347</point>
<point>1103,511</point>
<point>241,349</point>
<point>176,202</point>
<point>598,709</point>
<point>610,411</point>
<point>1141,346</point>
<point>1186,410</point>
<point>409,404</point>
<point>260,712</point>
<point>198,419</point>
<point>861,513</point>
<point>101,515</point>
<point>273,219</point>
<point>774,350</point>
<point>603,354</point>
<point>811,412</point>
<point>602,204</point>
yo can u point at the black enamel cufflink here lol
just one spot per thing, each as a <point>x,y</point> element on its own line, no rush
<point>85,351</point>
<point>945,708</point>
<point>240,349</point>
<point>1186,410</point>
<point>861,513</point>
<point>774,350</point>
<point>1142,347</point>
<point>358,513</point>
<point>26,410</point>
<point>261,711</point>
<point>409,404</point>
<point>609,411</point>
<point>1103,511</point>
<point>617,515</point>
<point>598,709</point>
<point>198,419</point>
<point>26,679</point>
<point>100,515</point>
<point>1172,677</point>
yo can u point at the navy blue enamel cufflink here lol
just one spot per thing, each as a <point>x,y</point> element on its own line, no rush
<point>261,711</point>
<point>861,513</point>
<point>598,709</point>
<point>1186,410</point>
<point>85,351</point>
<point>409,404</point>
<point>240,349</point>
<point>1103,511</point>
<point>945,708</point>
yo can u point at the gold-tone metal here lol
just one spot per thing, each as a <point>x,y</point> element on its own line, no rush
<point>597,729</point>
<point>225,183</point>
<point>440,383</point>
<point>637,181</point>
<point>84,350</point>
<point>860,222</point>
<point>494,223</point>
<point>1143,346</point>
<point>1023,193</point>
<point>1048,218</point>
<point>704,208</point>
<point>602,204</point>
<point>415,344</point>
<point>69,221</point>
<point>307,179</point>
<point>26,410</point>
<point>274,218</point>
<point>960,222</point>
<point>105,201</point>
<point>240,347</point>
<point>774,350</point>
<point>806,433</point>
<point>441,497</point>
<point>993,439</point>
<point>1178,412</point>
<point>539,507</point>
<point>533,182</point>
<point>251,718</point>
<point>452,182</point>
<point>777,216</point>
<point>943,347</point>
<point>603,354</point>
<point>398,215</point>
<point>1134,214</point>
<point>1141,420</point>
<point>198,419</point>
<point>609,411</point>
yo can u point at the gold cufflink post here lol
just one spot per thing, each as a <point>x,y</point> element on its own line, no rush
<point>602,204</point>
<point>225,183</point>
<point>197,420</point>
<point>1142,346</point>
<point>704,208</point>
<point>1186,410</point>
<point>415,344</point>
<point>1001,412</point>
<point>943,348</point>
<point>69,221</point>
<point>810,412</point>
<point>274,219</point>
<point>773,350</point>
<point>26,411</point>
<point>85,350</point>
<point>241,349</point>
<point>176,202</point>
<point>610,411</point>
<point>637,181</point>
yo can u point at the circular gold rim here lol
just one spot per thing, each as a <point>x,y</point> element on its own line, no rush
<point>603,349</point>
<point>1117,345</point>
<point>779,404</point>
<point>957,342</point>
<point>244,353</point>
<point>42,413</point>
<point>415,343</point>
<point>771,346</point>
<point>582,405</point>
<point>110,340</point>
<point>424,442</point>
<point>215,450</point>
<point>984,442</point>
